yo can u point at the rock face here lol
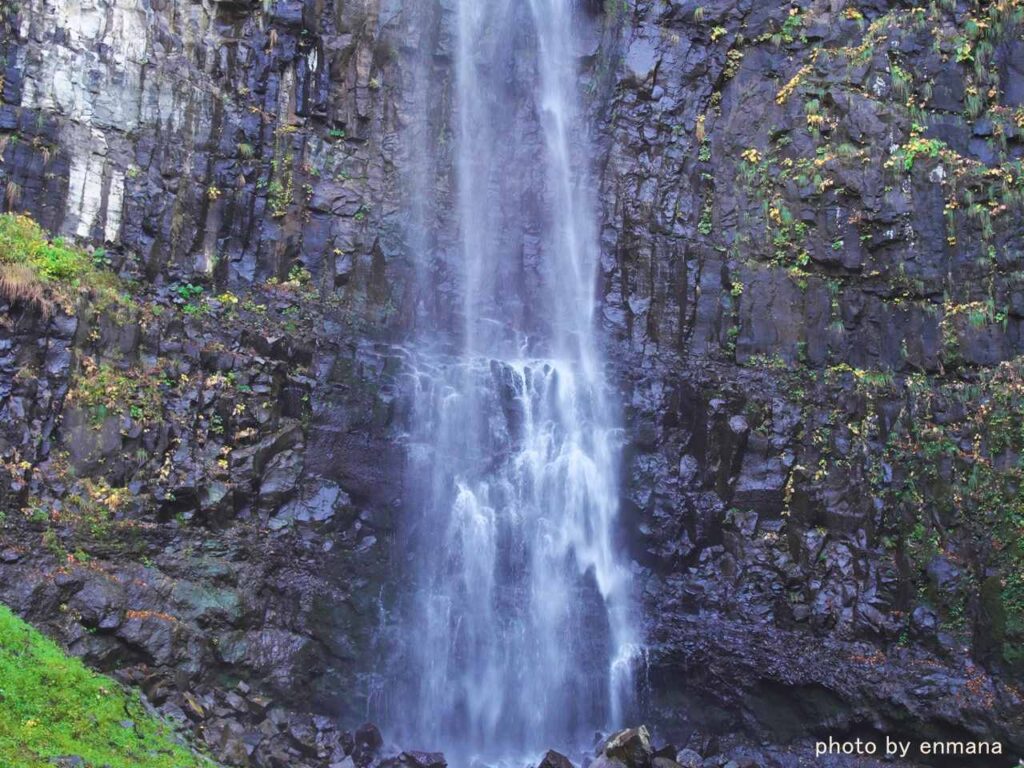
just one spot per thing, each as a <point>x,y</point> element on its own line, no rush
<point>810,289</point>
<point>197,490</point>
<point>554,759</point>
<point>810,292</point>
<point>184,524</point>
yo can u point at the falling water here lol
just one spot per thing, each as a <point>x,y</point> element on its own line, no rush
<point>518,634</point>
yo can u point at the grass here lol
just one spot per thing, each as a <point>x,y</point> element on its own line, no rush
<point>35,269</point>
<point>51,705</point>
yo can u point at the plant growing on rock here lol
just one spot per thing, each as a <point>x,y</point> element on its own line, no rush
<point>918,147</point>
<point>47,273</point>
<point>104,390</point>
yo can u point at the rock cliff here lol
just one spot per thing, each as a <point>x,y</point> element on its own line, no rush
<point>811,295</point>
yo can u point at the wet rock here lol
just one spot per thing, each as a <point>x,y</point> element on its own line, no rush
<point>100,604</point>
<point>368,742</point>
<point>368,736</point>
<point>280,479</point>
<point>924,621</point>
<point>226,741</point>
<point>421,760</point>
<point>943,573</point>
<point>313,506</point>
<point>555,760</point>
<point>666,750</point>
<point>632,747</point>
<point>303,735</point>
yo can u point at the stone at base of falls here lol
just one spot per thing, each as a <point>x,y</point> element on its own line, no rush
<point>415,760</point>
<point>368,736</point>
<point>667,751</point>
<point>555,760</point>
<point>687,758</point>
<point>368,742</point>
<point>630,747</point>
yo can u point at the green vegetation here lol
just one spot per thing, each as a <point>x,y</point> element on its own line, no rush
<point>960,481</point>
<point>104,390</point>
<point>943,456</point>
<point>281,185</point>
<point>91,515</point>
<point>811,162</point>
<point>37,270</point>
<point>52,706</point>
<point>918,147</point>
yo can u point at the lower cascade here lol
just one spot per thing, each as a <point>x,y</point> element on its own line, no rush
<point>518,632</point>
<point>520,610</point>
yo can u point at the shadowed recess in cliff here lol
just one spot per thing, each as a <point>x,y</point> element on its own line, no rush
<point>517,629</point>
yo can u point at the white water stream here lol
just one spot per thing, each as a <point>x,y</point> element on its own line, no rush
<point>518,634</point>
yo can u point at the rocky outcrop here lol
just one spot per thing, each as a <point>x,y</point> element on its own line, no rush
<point>199,487</point>
<point>218,141</point>
<point>192,501</point>
<point>635,748</point>
<point>809,289</point>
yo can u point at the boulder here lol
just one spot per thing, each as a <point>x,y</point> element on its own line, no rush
<point>631,747</point>
<point>368,742</point>
<point>417,759</point>
<point>555,760</point>
<point>226,740</point>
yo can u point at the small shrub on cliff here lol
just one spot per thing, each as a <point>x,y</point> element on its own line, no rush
<point>104,390</point>
<point>918,147</point>
<point>37,270</point>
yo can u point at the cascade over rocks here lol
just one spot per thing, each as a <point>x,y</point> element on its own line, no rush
<point>514,625</point>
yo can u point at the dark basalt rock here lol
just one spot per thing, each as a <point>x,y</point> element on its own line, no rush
<point>554,759</point>
<point>632,747</point>
<point>415,760</point>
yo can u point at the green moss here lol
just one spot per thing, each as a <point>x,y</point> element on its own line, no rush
<point>51,706</point>
<point>36,269</point>
<point>280,191</point>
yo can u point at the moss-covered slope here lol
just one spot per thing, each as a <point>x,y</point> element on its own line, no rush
<point>51,706</point>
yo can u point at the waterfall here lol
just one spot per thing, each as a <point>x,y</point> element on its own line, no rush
<point>517,631</point>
